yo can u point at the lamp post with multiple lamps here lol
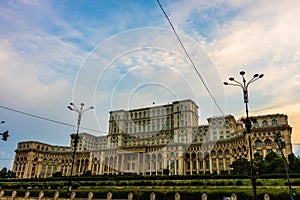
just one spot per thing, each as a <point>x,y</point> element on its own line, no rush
<point>79,111</point>
<point>244,85</point>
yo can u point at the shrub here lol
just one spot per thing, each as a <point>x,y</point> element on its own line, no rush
<point>296,183</point>
<point>230,183</point>
<point>239,183</point>
<point>258,183</point>
<point>55,185</point>
<point>75,185</point>
<point>220,183</point>
<point>57,174</point>
<point>275,183</point>
<point>210,184</point>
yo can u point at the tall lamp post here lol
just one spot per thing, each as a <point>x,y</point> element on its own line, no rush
<point>79,111</point>
<point>244,85</point>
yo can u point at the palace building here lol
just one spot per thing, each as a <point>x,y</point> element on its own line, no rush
<point>157,140</point>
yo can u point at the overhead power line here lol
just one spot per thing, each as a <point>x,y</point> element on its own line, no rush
<point>191,61</point>
<point>47,119</point>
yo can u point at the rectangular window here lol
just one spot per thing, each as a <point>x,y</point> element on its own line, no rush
<point>207,165</point>
<point>259,151</point>
<point>269,150</point>
<point>221,163</point>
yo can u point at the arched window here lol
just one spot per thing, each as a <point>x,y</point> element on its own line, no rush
<point>268,142</point>
<point>220,152</point>
<point>258,143</point>
<point>255,124</point>
<point>227,151</point>
<point>274,122</point>
<point>265,123</point>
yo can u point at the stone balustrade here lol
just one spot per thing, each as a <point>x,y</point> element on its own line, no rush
<point>13,196</point>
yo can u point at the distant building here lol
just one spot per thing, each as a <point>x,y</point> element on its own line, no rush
<point>157,139</point>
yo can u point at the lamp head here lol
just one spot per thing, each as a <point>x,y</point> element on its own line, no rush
<point>255,75</point>
<point>70,107</point>
<point>71,104</point>
<point>2,122</point>
<point>242,73</point>
<point>260,76</point>
<point>231,79</point>
<point>225,83</point>
<point>82,104</point>
<point>92,107</point>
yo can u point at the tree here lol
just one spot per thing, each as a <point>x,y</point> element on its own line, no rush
<point>57,174</point>
<point>291,159</point>
<point>258,163</point>
<point>4,173</point>
<point>296,165</point>
<point>241,166</point>
<point>273,164</point>
<point>88,173</point>
<point>166,171</point>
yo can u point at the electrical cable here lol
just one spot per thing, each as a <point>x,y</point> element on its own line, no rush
<point>191,61</point>
<point>47,119</point>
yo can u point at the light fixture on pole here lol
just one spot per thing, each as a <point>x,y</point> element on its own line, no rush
<point>244,85</point>
<point>75,137</point>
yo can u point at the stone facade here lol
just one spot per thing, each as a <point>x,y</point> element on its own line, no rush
<point>157,140</point>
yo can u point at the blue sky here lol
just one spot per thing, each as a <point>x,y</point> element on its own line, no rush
<point>123,55</point>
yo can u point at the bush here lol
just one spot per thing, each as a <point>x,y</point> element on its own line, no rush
<point>258,183</point>
<point>197,183</point>
<point>75,185</point>
<point>57,174</point>
<point>296,183</point>
<point>274,184</point>
<point>55,185</point>
<point>210,184</point>
<point>88,173</point>
<point>239,183</point>
<point>220,183</point>
<point>230,183</point>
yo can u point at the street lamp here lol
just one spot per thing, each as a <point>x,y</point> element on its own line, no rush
<point>79,111</point>
<point>4,134</point>
<point>244,85</point>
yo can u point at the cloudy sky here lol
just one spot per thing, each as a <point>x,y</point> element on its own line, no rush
<point>124,55</point>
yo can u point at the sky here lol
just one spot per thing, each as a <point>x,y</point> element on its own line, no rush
<point>124,55</point>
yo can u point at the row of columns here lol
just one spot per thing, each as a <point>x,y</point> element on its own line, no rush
<point>142,166</point>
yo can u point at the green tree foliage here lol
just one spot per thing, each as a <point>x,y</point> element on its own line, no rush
<point>294,163</point>
<point>241,166</point>
<point>57,174</point>
<point>273,164</point>
<point>4,173</point>
<point>258,163</point>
